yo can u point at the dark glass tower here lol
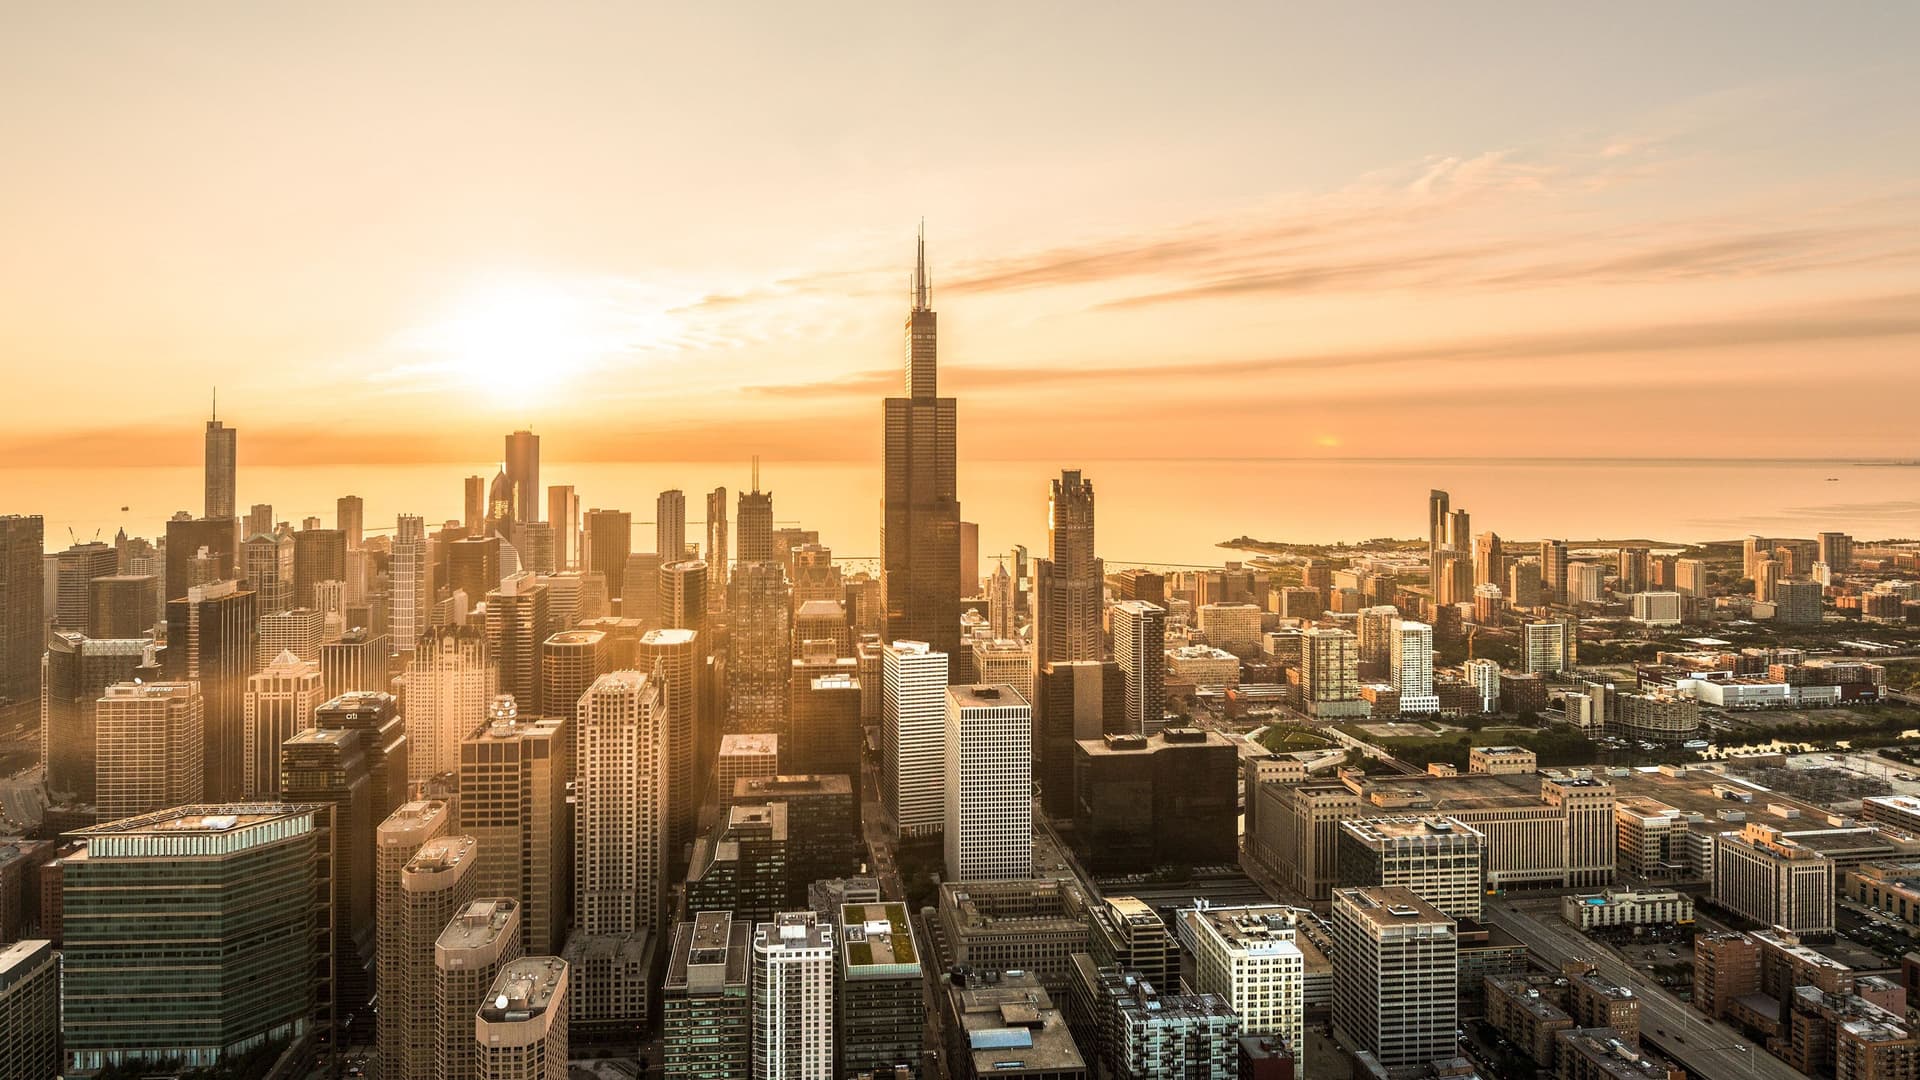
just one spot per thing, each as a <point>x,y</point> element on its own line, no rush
<point>919,510</point>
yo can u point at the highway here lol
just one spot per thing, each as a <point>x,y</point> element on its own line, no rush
<point>1708,1050</point>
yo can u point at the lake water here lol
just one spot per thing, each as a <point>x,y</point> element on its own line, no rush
<point>1150,511</point>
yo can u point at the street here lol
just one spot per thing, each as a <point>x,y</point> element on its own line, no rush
<point>1709,1050</point>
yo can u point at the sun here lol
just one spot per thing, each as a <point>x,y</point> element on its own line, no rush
<point>512,339</point>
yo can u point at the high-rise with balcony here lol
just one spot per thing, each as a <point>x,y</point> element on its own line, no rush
<point>920,510</point>
<point>792,998</point>
<point>988,784</point>
<point>1068,584</point>
<point>913,736</point>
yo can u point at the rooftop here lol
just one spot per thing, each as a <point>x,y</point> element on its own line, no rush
<point>877,936</point>
<point>1268,928</point>
<point>792,785</point>
<point>1413,829</point>
<point>480,924</point>
<point>524,989</point>
<point>1613,1052</point>
<point>1012,1026</point>
<point>439,855</point>
<point>758,742</point>
<point>709,954</point>
<point>1389,907</point>
<point>577,637</point>
<point>793,930</point>
<point>672,635</point>
<point>981,696</point>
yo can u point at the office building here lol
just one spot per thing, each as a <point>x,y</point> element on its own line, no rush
<point>411,589</point>
<point>30,1010</point>
<point>122,605</point>
<point>716,550</point>
<point>754,524</point>
<point>518,622</point>
<point>149,739</point>
<point>478,943</point>
<point>1329,674</point>
<point>741,866</point>
<point>73,575</point>
<point>1549,646</point>
<point>1395,990</point>
<point>1233,627</point>
<point>563,516</point>
<point>1073,700</point>
<point>280,702</point>
<point>683,594</point>
<point>221,456</point>
<point>676,660</point>
<point>1127,932</point>
<point>1148,801</point>
<point>913,736</point>
<point>1412,667</point>
<point>300,631</point>
<point>1797,603</point>
<point>975,1014</point>
<point>167,913</point>
<point>513,802</point>
<point>998,661</point>
<point>355,663</point>
<point>670,526</point>
<point>436,883</point>
<point>988,783</point>
<point>620,807</point>
<point>1766,875</point>
<point>754,756</point>
<point>1069,582</point>
<point>1443,861</point>
<point>1140,648</point>
<point>759,646</point>
<point>199,550</point>
<point>1836,550</point>
<point>23,628</point>
<point>608,541</point>
<point>449,686</point>
<point>920,510</point>
<point>792,997</point>
<point>1248,956</point>
<point>78,670</point>
<point>331,769</point>
<point>521,1029</point>
<point>824,837</point>
<point>212,635</point>
<point>825,724</point>
<point>879,1007</point>
<point>1034,925</point>
<point>569,663</point>
<point>522,469</point>
<point>318,555</point>
<point>706,1028</point>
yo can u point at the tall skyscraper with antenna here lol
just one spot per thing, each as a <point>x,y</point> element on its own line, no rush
<point>222,451</point>
<point>756,522</point>
<point>920,512</point>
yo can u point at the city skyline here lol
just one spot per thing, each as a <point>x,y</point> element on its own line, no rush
<point>1314,203</point>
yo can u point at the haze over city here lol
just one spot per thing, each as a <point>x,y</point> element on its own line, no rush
<point>848,542</point>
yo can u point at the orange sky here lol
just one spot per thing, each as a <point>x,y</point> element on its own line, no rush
<point>1398,230</point>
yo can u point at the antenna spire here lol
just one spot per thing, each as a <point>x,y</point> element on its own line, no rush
<point>756,474</point>
<point>922,289</point>
<point>216,404</point>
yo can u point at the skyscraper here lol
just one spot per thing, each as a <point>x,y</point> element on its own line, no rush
<point>187,540</point>
<point>670,525</point>
<point>330,768</point>
<point>523,473</point>
<point>683,594</point>
<point>988,784</point>
<point>436,883</point>
<point>477,943</point>
<point>449,686</point>
<point>356,661</point>
<point>1329,674</point>
<point>168,914</point>
<point>474,520</point>
<point>513,802</point>
<point>879,1010</point>
<point>151,740</point>
<point>608,541</point>
<point>716,549</point>
<point>521,1029</point>
<point>620,806</point>
<point>920,510</point>
<point>1073,700</point>
<point>78,671</point>
<point>318,555</point>
<point>1553,570</point>
<point>1140,648</point>
<point>122,605</point>
<point>1068,583</point>
<point>569,663</point>
<point>213,640</point>
<point>1437,507</point>
<point>30,1010</point>
<point>349,516</point>
<point>1395,989</point>
<point>563,514</point>
<point>517,625</point>
<point>280,701</point>
<point>22,606</point>
<point>221,455</point>
<point>755,523</point>
<point>759,646</point>
<point>674,658</point>
<point>913,736</point>
<point>793,997</point>
<point>708,1033</point>
<point>1412,662</point>
<point>411,590</point>
<point>76,568</point>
